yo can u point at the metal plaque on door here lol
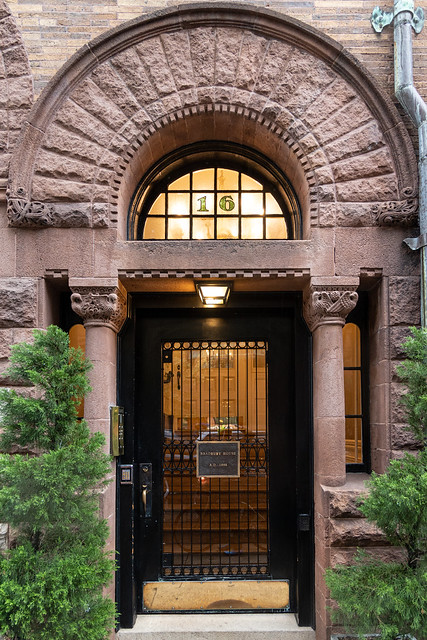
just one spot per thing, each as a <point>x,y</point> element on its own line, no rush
<point>218,459</point>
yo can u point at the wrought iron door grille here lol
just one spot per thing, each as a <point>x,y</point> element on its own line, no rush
<point>215,391</point>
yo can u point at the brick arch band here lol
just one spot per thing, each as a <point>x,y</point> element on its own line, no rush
<point>215,72</point>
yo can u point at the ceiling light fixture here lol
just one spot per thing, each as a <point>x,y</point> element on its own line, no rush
<point>213,295</point>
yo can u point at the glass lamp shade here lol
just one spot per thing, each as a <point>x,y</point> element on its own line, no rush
<point>213,295</point>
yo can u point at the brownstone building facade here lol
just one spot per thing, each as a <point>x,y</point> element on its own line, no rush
<point>147,150</point>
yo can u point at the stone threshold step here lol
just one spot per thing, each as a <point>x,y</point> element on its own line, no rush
<point>221,626</point>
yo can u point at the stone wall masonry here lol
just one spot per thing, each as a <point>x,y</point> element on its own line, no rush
<point>16,88</point>
<point>53,31</point>
<point>342,530</point>
<point>113,108</point>
<point>18,302</point>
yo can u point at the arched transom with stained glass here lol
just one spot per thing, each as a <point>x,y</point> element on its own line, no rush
<point>215,203</point>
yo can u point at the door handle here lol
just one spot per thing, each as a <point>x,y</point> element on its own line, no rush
<point>144,497</point>
<point>146,484</point>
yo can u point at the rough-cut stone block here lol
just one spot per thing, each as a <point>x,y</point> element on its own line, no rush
<point>188,97</point>
<point>6,338</point>
<point>382,554</point>
<point>402,438</point>
<point>16,62</point>
<point>64,142</point>
<point>15,119</point>
<point>298,67</point>
<point>369,189</point>
<point>171,102</point>
<point>318,77</point>
<point>157,110</point>
<point>90,97</point>
<point>20,92</point>
<point>404,296</point>
<point>228,45</point>
<point>251,56</point>
<point>397,337</point>
<point>318,158</point>
<point>326,193</point>
<point>363,140</point>
<point>109,81</point>
<point>129,65</point>
<point>276,59</point>
<point>354,115</point>
<point>202,42</point>
<point>178,53</point>
<point>55,165</point>
<point>308,143</point>
<point>354,215</point>
<point>9,33</point>
<point>69,215</point>
<point>76,119</point>
<point>3,99</point>
<point>51,190</point>
<point>323,175</point>
<point>154,59</point>
<point>327,214</point>
<point>100,215</point>
<point>272,111</point>
<point>18,301</point>
<point>398,411</point>
<point>364,166</point>
<point>355,532</point>
<point>344,504</point>
<point>334,97</point>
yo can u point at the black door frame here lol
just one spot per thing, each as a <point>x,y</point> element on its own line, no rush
<point>127,501</point>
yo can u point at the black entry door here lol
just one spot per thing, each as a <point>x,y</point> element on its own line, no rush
<point>222,456</point>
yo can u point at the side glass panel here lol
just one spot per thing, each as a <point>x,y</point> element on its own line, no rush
<point>353,393</point>
<point>215,392</point>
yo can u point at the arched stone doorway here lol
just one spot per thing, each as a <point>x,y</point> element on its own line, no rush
<point>224,74</point>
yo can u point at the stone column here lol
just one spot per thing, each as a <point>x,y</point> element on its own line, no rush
<point>327,303</point>
<point>101,302</point>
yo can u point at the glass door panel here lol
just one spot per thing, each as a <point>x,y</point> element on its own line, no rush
<point>215,391</point>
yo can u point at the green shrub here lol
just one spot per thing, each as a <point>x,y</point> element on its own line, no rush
<point>391,598</point>
<point>51,581</point>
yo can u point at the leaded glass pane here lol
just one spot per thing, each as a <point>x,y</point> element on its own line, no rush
<point>227,180</point>
<point>252,229</point>
<point>179,228</point>
<point>275,229</point>
<point>204,179</point>
<point>215,194</point>
<point>154,229</point>
<point>252,204</point>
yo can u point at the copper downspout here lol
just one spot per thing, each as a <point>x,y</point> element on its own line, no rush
<point>405,19</point>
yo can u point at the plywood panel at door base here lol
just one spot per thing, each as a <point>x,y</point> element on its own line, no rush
<point>216,595</point>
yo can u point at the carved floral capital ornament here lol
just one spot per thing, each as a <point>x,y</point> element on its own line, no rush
<point>100,306</point>
<point>329,305</point>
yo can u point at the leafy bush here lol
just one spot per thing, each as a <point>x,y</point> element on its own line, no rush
<point>391,598</point>
<point>51,581</point>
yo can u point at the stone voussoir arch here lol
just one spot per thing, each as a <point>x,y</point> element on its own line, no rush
<point>86,136</point>
<point>16,86</point>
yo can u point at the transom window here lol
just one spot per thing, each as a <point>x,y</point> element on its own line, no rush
<point>215,195</point>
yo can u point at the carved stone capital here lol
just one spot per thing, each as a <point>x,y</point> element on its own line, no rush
<point>328,304</point>
<point>100,306</point>
<point>402,213</point>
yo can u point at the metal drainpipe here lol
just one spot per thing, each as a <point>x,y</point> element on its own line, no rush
<point>405,19</point>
